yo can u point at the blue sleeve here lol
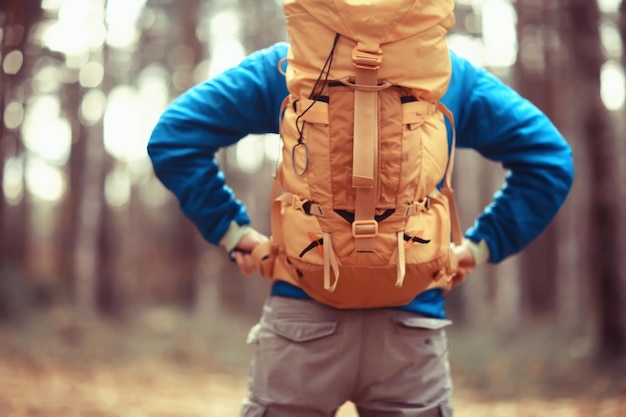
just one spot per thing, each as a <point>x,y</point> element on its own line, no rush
<point>504,127</point>
<point>217,113</point>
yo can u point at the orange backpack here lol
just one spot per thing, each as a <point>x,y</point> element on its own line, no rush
<point>357,219</point>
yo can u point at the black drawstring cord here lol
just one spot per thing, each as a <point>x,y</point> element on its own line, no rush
<point>325,69</point>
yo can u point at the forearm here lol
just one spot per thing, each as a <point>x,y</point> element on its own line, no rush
<point>506,128</point>
<point>210,116</point>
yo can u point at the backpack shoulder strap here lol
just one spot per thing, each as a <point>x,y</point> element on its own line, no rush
<point>457,235</point>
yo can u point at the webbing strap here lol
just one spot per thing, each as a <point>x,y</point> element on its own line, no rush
<point>276,212</point>
<point>457,235</point>
<point>330,260</point>
<point>365,153</point>
<point>401,260</point>
<point>266,249</point>
<point>276,188</point>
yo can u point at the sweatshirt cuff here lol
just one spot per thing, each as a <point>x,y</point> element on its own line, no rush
<point>480,250</point>
<point>233,235</point>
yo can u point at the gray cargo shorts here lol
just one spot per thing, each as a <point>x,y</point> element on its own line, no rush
<point>310,359</point>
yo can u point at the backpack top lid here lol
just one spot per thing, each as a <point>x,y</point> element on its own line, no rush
<point>375,22</point>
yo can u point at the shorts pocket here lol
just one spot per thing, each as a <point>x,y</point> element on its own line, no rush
<point>295,333</point>
<point>302,330</point>
<point>419,326</point>
<point>419,338</point>
<point>288,348</point>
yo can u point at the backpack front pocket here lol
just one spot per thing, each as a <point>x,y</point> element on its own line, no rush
<point>427,233</point>
<point>302,235</point>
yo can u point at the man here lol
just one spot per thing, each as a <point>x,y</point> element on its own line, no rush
<point>312,358</point>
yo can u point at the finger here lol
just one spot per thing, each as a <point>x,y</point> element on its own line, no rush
<point>249,268</point>
<point>245,263</point>
<point>231,254</point>
<point>458,278</point>
<point>464,270</point>
<point>241,263</point>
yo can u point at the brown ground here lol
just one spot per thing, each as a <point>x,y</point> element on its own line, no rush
<point>164,364</point>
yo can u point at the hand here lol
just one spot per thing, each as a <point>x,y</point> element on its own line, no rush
<point>244,248</point>
<point>466,262</point>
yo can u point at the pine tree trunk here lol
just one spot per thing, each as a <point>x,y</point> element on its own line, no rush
<point>91,222</point>
<point>3,148</point>
<point>604,251</point>
<point>532,80</point>
<point>469,302</point>
<point>87,240</point>
<point>262,23</point>
<point>189,242</point>
<point>567,276</point>
<point>17,19</point>
<point>70,206</point>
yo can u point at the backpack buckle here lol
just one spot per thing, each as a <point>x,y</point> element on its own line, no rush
<point>367,60</point>
<point>362,229</point>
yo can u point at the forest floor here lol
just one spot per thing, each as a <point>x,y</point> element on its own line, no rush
<point>164,363</point>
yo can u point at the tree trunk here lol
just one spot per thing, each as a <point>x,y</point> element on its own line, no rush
<point>532,80</point>
<point>604,251</point>
<point>16,21</point>
<point>91,207</point>
<point>188,242</point>
<point>108,301</point>
<point>470,301</point>
<point>91,222</point>
<point>4,87</point>
<point>262,23</point>
<point>565,247</point>
<point>70,206</point>
<point>3,157</point>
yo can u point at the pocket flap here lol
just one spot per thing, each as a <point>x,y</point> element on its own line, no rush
<point>422,322</point>
<point>312,111</point>
<point>415,112</point>
<point>302,330</point>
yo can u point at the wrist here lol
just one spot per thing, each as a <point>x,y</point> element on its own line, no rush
<point>480,250</point>
<point>233,235</point>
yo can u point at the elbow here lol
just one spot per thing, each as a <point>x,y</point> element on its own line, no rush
<point>568,168</point>
<point>563,174</point>
<point>152,147</point>
<point>156,147</point>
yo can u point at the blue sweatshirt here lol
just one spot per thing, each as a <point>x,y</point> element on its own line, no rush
<point>490,118</point>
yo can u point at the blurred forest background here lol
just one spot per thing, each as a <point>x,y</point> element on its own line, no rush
<point>112,305</point>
